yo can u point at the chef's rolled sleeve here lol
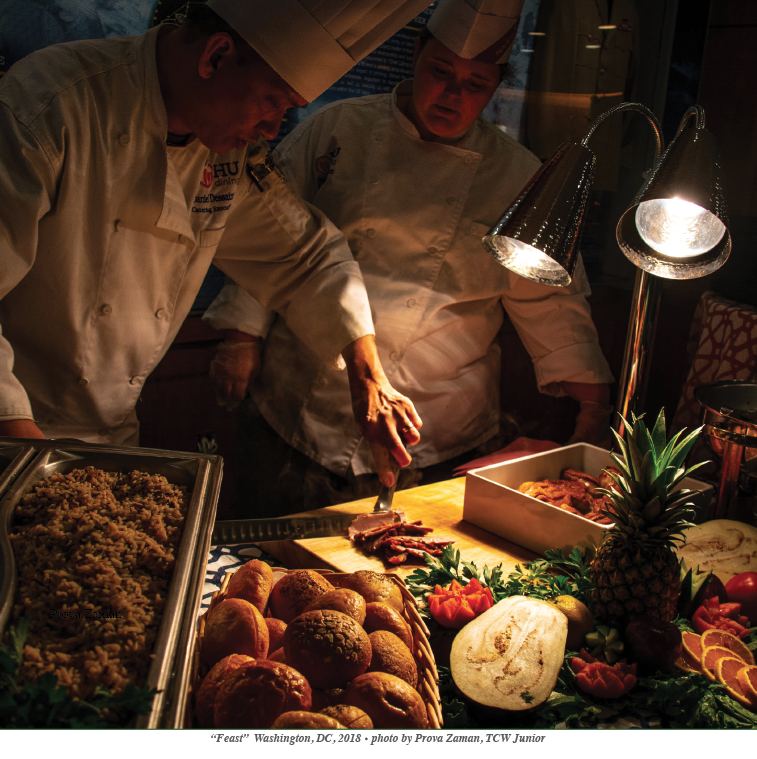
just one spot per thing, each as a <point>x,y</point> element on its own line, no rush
<point>307,274</point>
<point>235,308</point>
<point>556,328</point>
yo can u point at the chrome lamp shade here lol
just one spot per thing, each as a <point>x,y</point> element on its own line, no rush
<point>677,225</point>
<point>537,236</point>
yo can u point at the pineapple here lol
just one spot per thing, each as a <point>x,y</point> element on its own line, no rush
<point>636,570</point>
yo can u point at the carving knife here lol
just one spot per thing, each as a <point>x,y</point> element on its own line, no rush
<point>284,528</point>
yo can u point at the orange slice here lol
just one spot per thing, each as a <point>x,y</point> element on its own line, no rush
<point>692,644</point>
<point>710,658</point>
<point>687,663</point>
<point>747,677</point>
<point>726,640</point>
<point>727,670</point>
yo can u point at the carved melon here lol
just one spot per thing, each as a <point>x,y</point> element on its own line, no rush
<point>510,656</point>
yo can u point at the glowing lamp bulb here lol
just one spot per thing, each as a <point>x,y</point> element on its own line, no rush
<point>526,260</point>
<point>677,228</point>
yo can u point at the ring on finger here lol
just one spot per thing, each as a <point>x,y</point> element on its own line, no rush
<point>410,426</point>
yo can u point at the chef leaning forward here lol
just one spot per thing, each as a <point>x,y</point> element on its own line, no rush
<point>130,164</point>
<point>414,179</point>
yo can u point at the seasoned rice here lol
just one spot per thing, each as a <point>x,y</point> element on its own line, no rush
<point>95,552</point>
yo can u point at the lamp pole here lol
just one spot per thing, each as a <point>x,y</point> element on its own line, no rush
<point>645,302</point>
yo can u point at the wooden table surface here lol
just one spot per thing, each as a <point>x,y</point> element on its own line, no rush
<point>439,505</point>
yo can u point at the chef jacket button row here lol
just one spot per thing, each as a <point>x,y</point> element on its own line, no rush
<point>394,356</point>
<point>370,232</point>
<point>124,139</point>
<point>135,380</point>
<point>411,303</point>
<point>83,381</point>
<point>160,313</point>
<point>118,225</point>
<point>451,200</point>
<point>105,309</point>
<point>432,251</point>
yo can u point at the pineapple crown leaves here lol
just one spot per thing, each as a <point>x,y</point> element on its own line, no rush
<point>651,466</point>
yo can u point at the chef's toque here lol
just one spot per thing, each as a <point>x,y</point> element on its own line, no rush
<point>479,30</point>
<point>312,43</point>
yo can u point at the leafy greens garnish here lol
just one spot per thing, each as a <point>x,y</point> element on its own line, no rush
<point>45,704</point>
<point>555,575</point>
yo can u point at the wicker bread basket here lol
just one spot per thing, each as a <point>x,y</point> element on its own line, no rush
<point>428,677</point>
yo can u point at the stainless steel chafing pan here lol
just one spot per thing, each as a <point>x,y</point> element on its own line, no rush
<point>201,474</point>
<point>14,454</point>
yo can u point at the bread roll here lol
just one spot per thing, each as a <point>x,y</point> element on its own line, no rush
<point>275,632</point>
<point>373,586</point>
<point>347,601</point>
<point>235,626</point>
<point>205,701</point>
<point>252,582</point>
<point>293,592</point>
<point>381,616</point>
<point>389,702</point>
<point>328,647</point>
<point>255,694</point>
<point>349,716</point>
<point>389,654</point>
<point>306,721</point>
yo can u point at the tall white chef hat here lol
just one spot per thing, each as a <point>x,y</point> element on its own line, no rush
<point>480,30</point>
<point>312,43</point>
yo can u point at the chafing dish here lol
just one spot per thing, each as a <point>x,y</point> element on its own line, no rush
<point>170,670</point>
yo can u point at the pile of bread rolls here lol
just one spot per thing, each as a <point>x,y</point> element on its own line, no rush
<point>306,653</point>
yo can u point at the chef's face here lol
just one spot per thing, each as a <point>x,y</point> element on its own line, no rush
<point>449,92</point>
<point>244,99</point>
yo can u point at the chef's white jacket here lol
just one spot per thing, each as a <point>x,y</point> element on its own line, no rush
<point>106,235</point>
<point>413,214</point>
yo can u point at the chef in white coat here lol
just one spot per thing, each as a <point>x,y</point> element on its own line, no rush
<point>414,179</point>
<point>130,164</point>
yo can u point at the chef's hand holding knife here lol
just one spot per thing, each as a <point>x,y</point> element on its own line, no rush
<point>387,419</point>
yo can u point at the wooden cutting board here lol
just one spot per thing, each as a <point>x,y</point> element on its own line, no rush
<point>439,505</point>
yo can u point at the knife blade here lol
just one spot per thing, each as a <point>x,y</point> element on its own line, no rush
<point>284,528</point>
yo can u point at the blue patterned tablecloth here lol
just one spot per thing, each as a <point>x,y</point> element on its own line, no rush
<point>225,558</point>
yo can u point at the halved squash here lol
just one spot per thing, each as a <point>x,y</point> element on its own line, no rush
<point>510,656</point>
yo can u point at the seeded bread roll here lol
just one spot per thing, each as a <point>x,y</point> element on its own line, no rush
<point>328,647</point>
<point>390,702</point>
<point>255,694</point>
<point>293,592</point>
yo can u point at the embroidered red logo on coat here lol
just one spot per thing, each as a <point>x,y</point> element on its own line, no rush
<point>207,176</point>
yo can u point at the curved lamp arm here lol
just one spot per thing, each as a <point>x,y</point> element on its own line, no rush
<point>651,118</point>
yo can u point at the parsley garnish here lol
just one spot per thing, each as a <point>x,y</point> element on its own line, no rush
<point>45,704</point>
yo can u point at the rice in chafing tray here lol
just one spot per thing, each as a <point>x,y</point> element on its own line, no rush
<point>95,551</point>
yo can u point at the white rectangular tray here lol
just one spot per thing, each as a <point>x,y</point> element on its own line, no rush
<point>492,500</point>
